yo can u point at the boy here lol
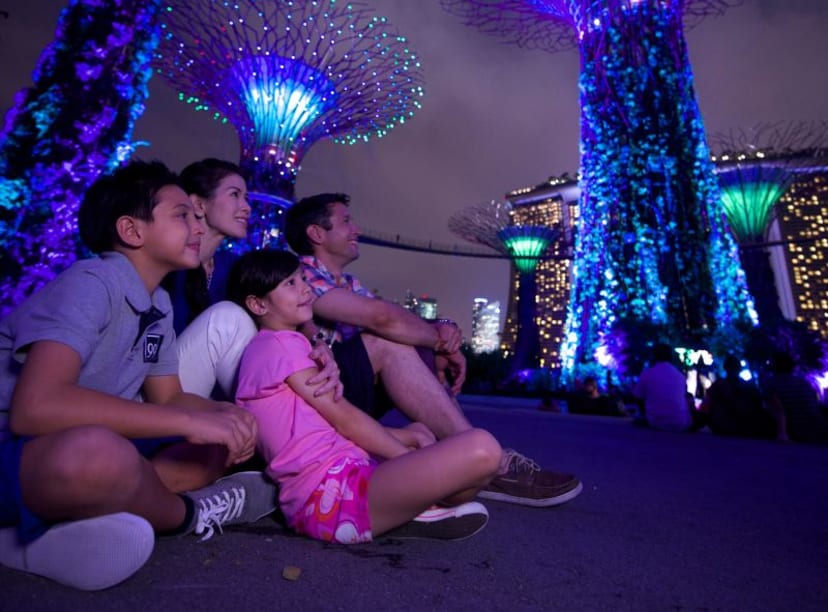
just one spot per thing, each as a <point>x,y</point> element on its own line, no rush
<point>87,472</point>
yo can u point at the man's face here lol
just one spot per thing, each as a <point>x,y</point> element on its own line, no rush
<point>340,242</point>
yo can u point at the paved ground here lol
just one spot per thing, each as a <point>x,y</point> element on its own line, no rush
<point>665,522</point>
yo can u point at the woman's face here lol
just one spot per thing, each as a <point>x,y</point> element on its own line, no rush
<point>227,211</point>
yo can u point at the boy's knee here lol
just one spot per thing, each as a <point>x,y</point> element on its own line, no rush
<point>89,455</point>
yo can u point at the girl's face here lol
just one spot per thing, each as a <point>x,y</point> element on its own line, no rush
<point>227,211</point>
<point>289,305</point>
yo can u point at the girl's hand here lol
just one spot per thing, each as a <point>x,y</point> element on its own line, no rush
<point>413,436</point>
<point>422,434</point>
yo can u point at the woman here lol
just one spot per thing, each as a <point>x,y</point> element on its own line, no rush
<point>219,195</point>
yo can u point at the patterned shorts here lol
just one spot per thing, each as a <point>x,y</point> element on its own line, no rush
<point>337,511</point>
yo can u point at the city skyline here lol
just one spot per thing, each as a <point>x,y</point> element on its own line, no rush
<point>489,125</point>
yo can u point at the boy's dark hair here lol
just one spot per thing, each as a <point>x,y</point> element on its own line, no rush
<point>202,178</point>
<point>257,273</point>
<point>131,190</point>
<point>314,210</point>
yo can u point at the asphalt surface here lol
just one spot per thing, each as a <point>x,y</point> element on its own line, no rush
<point>665,522</point>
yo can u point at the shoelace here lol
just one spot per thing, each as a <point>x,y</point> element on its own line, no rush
<point>215,511</point>
<point>518,462</point>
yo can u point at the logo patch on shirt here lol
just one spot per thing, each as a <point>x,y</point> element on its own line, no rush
<point>152,346</point>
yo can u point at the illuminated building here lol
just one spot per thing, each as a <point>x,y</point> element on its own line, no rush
<point>427,307</point>
<point>485,336</point>
<point>285,75</point>
<point>755,168</point>
<point>803,229</point>
<point>798,239</point>
<point>553,203</point>
<point>653,247</point>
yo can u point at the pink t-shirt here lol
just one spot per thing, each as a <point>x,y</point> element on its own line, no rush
<point>297,443</point>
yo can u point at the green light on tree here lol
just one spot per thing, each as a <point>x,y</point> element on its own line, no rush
<point>526,243</point>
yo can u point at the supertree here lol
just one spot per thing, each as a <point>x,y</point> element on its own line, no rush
<point>652,244</point>
<point>285,75</point>
<point>755,168</point>
<point>72,124</point>
<point>489,224</point>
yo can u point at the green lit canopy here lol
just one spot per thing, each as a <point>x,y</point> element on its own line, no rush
<point>526,243</point>
<point>748,197</point>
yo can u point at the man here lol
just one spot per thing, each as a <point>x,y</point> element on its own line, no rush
<point>662,389</point>
<point>374,340</point>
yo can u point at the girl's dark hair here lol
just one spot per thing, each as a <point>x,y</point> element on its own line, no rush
<point>202,178</point>
<point>257,273</point>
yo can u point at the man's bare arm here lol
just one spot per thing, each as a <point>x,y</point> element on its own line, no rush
<point>382,318</point>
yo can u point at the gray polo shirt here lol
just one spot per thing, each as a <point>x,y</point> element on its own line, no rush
<point>100,308</point>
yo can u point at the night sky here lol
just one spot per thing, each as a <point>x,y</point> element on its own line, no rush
<point>494,118</point>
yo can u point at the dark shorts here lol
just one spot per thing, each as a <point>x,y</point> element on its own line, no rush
<point>357,376</point>
<point>13,511</point>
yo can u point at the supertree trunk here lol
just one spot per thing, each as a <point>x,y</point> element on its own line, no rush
<point>759,273</point>
<point>653,244</point>
<point>527,344</point>
<point>74,123</point>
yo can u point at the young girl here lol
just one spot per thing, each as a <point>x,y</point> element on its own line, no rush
<point>321,452</point>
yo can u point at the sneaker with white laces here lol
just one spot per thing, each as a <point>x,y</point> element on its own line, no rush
<point>439,523</point>
<point>90,554</point>
<point>525,483</point>
<point>239,498</point>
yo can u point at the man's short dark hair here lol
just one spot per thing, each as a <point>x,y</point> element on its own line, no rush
<point>131,190</point>
<point>313,210</point>
<point>258,273</point>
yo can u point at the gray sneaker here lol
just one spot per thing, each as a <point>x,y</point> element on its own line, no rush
<point>438,523</point>
<point>239,498</point>
<point>91,554</point>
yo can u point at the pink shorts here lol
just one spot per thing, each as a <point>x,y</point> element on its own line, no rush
<point>337,511</point>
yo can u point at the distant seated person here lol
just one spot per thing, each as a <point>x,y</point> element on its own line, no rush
<point>794,403</point>
<point>662,391</point>
<point>734,406</point>
<point>588,400</point>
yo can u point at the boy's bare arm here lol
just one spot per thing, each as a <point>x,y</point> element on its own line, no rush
<point>167,391</point>
<point>347,419</point>
<point>48,399</point>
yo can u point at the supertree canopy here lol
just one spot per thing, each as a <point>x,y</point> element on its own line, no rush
<point>755,168</point>
<point>72,124</point>
<point>652,244</point>
<point>287,74</point>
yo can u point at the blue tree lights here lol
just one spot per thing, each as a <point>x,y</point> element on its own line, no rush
<point>285,75</point>
<point>653,245</point>
<point>75,122</point>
